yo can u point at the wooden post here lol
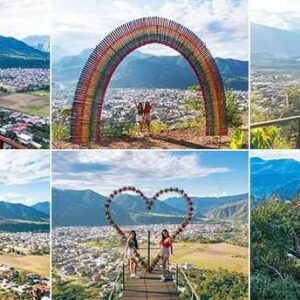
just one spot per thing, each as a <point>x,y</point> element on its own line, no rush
<point>148,249</point>
<point>298,136</point>
<point>123,279</point>
<point>176,275</point>
<point>1,145</point>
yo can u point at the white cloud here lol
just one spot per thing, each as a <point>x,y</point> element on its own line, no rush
<point>276,154</point>
<point>276,13</point>
<point>23,167</point>
<point>221,24</point>
<point>16,198</point>
<point>126,168</point>
<point>150,164</point>
<point>20,18</point>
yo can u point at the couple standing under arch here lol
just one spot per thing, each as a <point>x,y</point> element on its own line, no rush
<point>102,63</point>
<point>143,116</point>
<point>166,249</point>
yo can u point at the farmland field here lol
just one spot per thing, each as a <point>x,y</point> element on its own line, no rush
<point>29,263</point>
<point>213,256</point>
<point>204,256</point>
<point>33,103</point>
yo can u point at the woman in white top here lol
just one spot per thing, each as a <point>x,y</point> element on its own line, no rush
<point>131,247</point>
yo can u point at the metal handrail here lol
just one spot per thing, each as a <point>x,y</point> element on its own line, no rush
<point>179,268</point>
<point>275,121</point>
<point>280,121</point>
<point>122,271</point>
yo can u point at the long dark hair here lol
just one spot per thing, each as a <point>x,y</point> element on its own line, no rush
<point>164,237</point>
<point>147,106</point>
<point>140,109</point>
<point>133,237</point>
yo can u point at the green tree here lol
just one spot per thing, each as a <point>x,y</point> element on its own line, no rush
<point>60,132</point>
<point>275,272</point>
<point>268,138</point>
<point>234,118</point>
<point>237,141</point>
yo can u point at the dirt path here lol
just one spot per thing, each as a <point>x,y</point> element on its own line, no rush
<point>172,139</point>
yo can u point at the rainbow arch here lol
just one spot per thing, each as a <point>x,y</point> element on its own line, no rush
<point>100,66</point>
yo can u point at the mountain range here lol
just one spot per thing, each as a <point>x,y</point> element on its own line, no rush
<point>279,177</point>
<point>39,42</point>
<point>19,217</point>
<point>86,208</point>
<point>17,211</point>
<point>140,70</point>
<point>17,54</point>
<point>43,207</point>
<point>268,44</point>
<point>237,211</point>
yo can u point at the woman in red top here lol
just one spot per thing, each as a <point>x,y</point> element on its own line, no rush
<point>166,248</point>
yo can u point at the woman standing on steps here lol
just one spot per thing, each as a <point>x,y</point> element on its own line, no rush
<point>131,247</point>
<point>165,251</point>
<point>139,116</point>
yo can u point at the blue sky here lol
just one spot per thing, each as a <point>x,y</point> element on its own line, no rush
<point>205,173</point>
<point>24,176</point>
<point>221,24</point>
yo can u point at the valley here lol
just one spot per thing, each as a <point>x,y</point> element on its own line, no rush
<point>24,94</point>
<point>28,263</point>
<point>87,259</point>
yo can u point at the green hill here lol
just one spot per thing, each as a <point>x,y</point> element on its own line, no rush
<point>17,54</point>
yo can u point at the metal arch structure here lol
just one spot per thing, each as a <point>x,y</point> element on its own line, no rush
<point>102,63</point>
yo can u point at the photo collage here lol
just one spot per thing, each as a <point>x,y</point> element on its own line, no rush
<point>149,149</point>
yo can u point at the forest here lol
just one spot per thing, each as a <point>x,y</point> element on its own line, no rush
<point>275,250</point>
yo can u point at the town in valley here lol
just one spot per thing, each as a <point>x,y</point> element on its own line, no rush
<point>93,256</point>
<point>24,107</point>
<point>169,105</point>
<point>24,265</point>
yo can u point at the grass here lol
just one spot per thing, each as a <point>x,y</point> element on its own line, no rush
<point>40,93</point>
<point>213,256</point>
<point>29,263</point>
<point>103,244</point>
<point>34,103</point>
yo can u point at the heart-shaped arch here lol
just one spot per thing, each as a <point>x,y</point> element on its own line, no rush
<point>102,63</point>
<point>149,203</point>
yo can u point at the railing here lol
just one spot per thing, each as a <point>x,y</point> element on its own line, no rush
<point>179,269</point>
<point>186,279</point>
<point>280,122</point>
<point>10,142</point>
<point>120,274</point>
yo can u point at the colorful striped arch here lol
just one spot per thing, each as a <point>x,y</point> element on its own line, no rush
<point>99,68</point>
